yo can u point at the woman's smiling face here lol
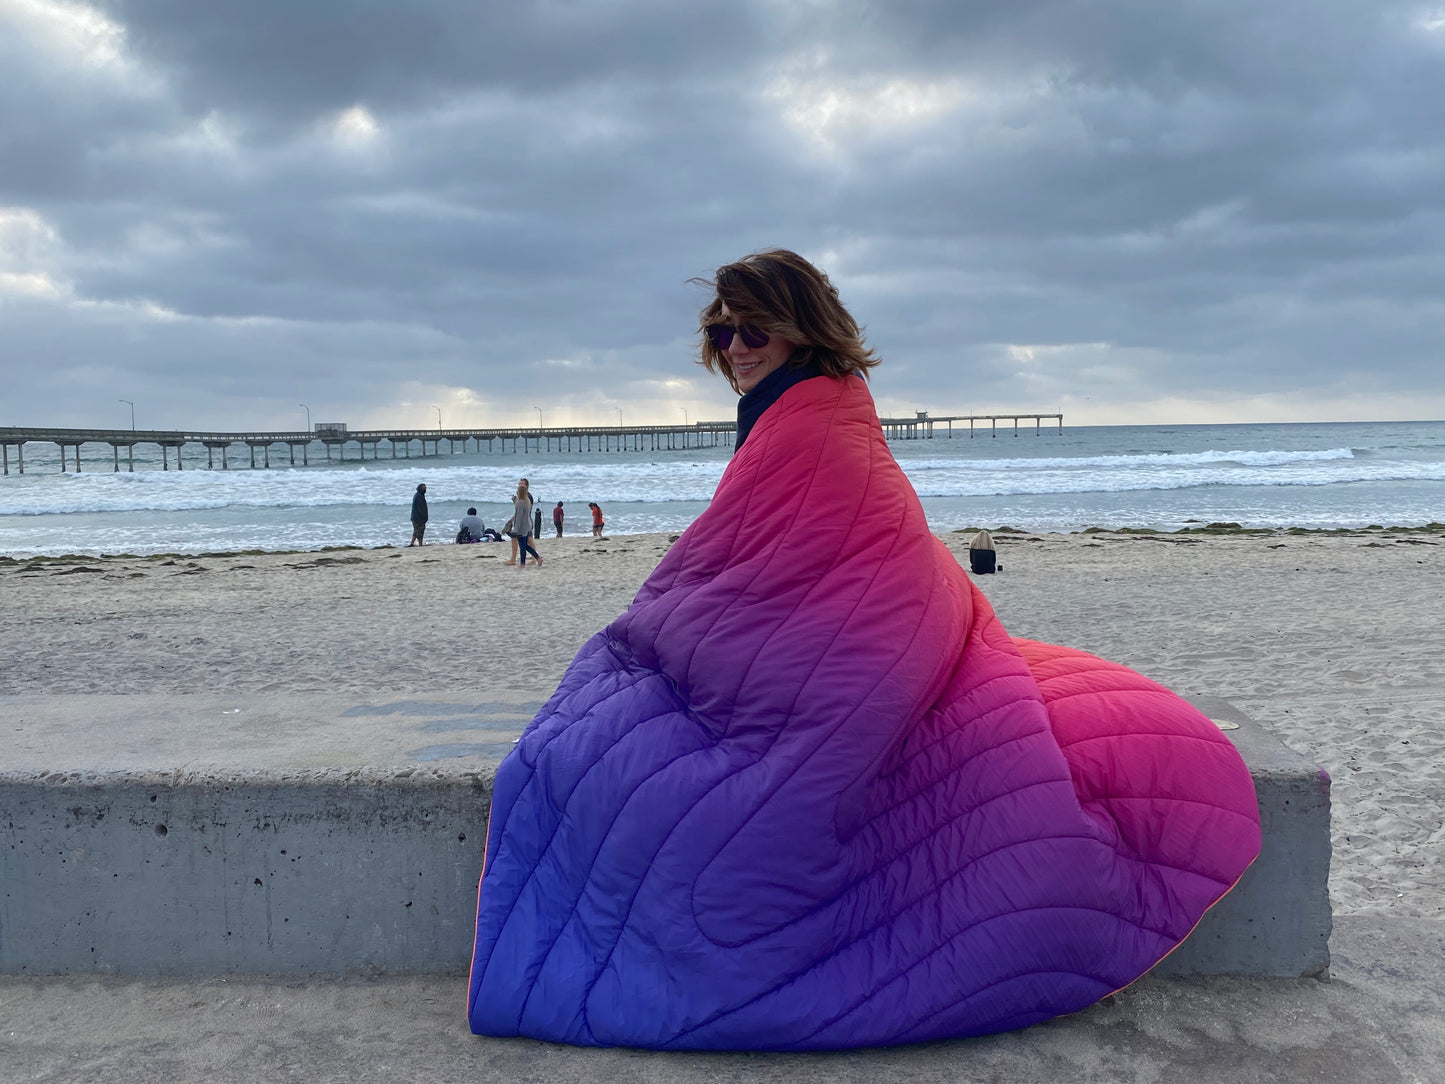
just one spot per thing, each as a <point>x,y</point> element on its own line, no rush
<point>751,364</point>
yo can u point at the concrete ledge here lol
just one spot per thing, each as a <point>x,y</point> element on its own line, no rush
<point>297,873</point>
<point>330,871</point>
<point>1277,920</point>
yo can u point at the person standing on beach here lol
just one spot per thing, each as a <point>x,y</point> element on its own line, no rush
<point>522,524</point>
<point>597,523</point>
<point>510,527</point>
<point>557,515</point>
<point>418,517</point>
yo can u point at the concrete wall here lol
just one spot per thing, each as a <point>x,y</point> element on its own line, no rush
<point>314,872</point>
<point>333,871</point>
<point>1277,920</point>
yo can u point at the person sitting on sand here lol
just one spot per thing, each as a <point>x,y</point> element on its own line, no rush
<point>982,558</point>
<point>472,528</point>
<point>418,517</point>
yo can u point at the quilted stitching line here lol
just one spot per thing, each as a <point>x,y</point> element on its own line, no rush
<point>531,779</point>
<point>1172,801</point>
<point>886,921</point>
<point>769,434</point>
<point>1130,735</point>
<point>1105,984</point>
<point>626,919</point>
<point>982,751</point>
<point>842,722</point>
<point>758,809</point>
<point>986,713</point>
<point>627,914</point>
<point>756,463</point>
<point>845,719</point>
<point>970,929</point>
<point>780,542</point>
<point>1065,778</point>
<point>587,877</point>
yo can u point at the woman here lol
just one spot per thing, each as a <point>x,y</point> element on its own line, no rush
<point>522,486</point>
<point>806,792</point>
<point>982,557</point>
<point>597,523</point>
<point>522,524</point>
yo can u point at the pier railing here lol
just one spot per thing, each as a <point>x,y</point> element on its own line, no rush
<point>579,438</point>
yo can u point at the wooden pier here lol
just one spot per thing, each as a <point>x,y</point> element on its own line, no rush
<point>580,439</point>
<point>921,425</point>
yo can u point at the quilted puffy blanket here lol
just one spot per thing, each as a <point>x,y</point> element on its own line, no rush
<point>808,793</point>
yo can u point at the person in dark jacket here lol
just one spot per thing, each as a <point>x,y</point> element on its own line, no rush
<point>982,558</point>
<point>557,515</point>
<point>418,517</point>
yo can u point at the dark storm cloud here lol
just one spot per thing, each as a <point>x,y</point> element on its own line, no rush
<point>239,205</point>
<point>284,60</point>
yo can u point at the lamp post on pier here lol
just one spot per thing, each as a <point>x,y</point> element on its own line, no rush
<point>132,412</point>
<point>540,425</point>
<point>306,408</point>
<point>439,417</point>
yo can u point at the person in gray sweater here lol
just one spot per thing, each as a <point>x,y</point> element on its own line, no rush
<point>473,526</point>
<point>522,525</point>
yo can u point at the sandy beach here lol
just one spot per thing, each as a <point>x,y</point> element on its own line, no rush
<point>1332,641</point>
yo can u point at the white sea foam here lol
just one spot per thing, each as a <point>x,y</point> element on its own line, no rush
<point>1267,458</point>
<point>1326,475</point>
<point>637,481</point>
<point>969,483</point>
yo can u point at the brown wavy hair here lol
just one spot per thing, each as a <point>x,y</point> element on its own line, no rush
<point>783,294</point>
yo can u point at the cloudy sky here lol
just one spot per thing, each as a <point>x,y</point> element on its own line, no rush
<point>1127,210</point>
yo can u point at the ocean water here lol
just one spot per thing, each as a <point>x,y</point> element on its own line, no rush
<point>1324,475</point>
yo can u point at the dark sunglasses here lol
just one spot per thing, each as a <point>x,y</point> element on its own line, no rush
<point>721,335</point>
